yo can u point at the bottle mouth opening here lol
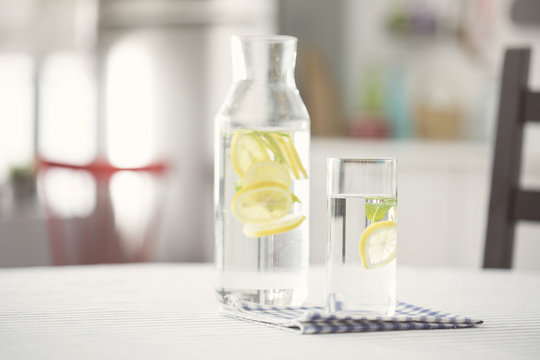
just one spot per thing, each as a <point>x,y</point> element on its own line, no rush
<point>270,39</point>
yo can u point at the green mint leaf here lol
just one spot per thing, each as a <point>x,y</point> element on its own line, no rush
<point>377,211</point>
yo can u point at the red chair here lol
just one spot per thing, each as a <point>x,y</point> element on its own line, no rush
<point>97,235</point>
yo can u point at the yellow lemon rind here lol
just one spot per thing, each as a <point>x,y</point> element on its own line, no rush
<point>273,228</point>
<point>296,158</point>
<point>364,238</point>
<point>287,155</point>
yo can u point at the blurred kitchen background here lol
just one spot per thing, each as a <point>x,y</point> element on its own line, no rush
<point>107,107</point>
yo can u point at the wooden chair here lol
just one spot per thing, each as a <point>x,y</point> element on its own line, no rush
<point>508,202</point>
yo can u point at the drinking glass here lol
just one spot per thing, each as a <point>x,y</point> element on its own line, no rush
<point>362,235</point>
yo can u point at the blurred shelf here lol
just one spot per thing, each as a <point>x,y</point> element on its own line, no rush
<point>410,152</point>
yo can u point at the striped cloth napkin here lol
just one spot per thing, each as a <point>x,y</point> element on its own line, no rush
<point>314,320</point>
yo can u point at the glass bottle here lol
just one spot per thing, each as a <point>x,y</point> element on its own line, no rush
<point>262,177</point>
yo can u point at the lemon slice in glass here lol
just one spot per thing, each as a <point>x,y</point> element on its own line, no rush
<point>262,202</point>
<point>267,171</point>
<point>247,150</point>
<point>378,244</point>
<point>286,223</point>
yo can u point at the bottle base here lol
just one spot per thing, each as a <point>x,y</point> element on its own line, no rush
<point>274,297</point>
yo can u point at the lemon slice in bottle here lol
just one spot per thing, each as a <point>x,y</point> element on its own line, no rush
<point>378,244</point>
<point>286,223</point>
<point>267,171</point>
<point>286,153</point>
<point>247,150</point>
<point>262,202</point>
<point>296,159</point>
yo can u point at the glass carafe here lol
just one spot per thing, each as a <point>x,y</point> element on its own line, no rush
<point>262,177</point>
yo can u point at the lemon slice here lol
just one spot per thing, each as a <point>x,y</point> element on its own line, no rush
<point>287,223</point>
<point>283,147</point>
<point>267,171</point>
<point>285,151</point>
<point>296,158</point>
<point>262,202</point>
<point>247,150</point>
<point>378,244</point>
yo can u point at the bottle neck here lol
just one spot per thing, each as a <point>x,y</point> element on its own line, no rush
<point>264,59</point>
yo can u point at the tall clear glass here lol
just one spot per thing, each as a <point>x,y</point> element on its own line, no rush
<point>362,236</point>
<point>262,177</point>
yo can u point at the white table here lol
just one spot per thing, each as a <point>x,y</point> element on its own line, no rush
<point>169,311</point>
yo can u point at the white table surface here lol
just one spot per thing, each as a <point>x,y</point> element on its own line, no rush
<point>169,311</point>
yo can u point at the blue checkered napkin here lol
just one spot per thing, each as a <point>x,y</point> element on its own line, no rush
<point>314,320</point>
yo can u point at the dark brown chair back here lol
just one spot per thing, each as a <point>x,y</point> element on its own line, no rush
<point>509,203</point>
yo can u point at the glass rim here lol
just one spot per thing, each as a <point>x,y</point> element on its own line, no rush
<point>274,39</point>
